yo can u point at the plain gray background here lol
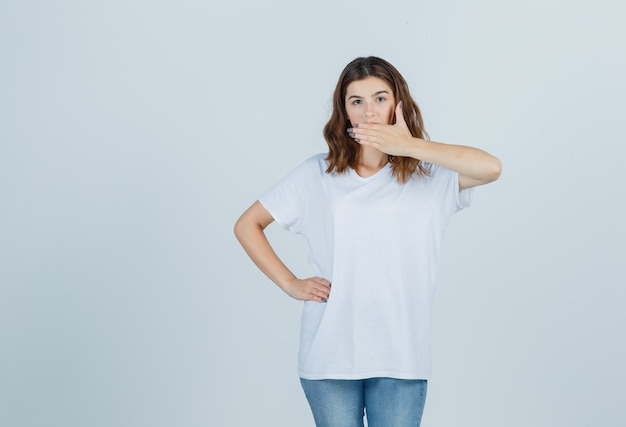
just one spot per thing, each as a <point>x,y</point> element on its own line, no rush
<point>133,134</point>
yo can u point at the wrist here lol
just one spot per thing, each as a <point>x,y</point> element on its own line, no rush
<point>287,283</point>
<point>415,148</point>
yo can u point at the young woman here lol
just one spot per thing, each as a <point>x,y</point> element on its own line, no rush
<point>373,211</point>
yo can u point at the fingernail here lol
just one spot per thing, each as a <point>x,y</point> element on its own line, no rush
<point>355,125</point>
<point>349,130</point>
<point>401,104</point>
<point>324,300</point>
<point>357,139</point>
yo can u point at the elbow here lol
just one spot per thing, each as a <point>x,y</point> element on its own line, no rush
<point>497,169</point>
<point>251,222</point>
<point>239,229</point>
<point>245,227</point>
<point>494,172</point>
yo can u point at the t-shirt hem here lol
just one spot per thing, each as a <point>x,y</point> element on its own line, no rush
<point>277,218</point>
<point>365,375</point>
<point>271,211</point>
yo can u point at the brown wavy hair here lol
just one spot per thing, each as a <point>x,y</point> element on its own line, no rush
<point>343,151</point>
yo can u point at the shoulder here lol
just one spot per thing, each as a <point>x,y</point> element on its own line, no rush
<point>310,168</point>
<point>435,171</point>
<point>318,159</point>
<point>439,177</point>
<point>316,164</point>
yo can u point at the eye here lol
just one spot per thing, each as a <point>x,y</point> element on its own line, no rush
<point>356,102</point>
<point>381,99</point>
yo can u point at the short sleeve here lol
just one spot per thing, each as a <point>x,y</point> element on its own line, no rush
<point>287,200</point>
<point>444,190</point>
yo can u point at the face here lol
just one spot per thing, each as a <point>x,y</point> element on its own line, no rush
<point>370,100</point>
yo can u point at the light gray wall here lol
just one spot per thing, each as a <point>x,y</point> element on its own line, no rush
<point>133,133</point>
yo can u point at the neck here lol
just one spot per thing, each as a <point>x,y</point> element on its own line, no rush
<point>370,161</point>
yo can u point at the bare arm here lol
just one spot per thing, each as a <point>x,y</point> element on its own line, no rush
<point>249,230</point>
<point>475,166</point>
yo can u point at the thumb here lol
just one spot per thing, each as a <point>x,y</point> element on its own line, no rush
<point>399,116</point>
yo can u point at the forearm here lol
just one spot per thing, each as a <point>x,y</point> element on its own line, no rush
<point>255,243</point>
<point>470,162</point>
<point>249,230</point>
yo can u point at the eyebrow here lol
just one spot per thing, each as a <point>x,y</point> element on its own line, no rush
<point>375,94</point>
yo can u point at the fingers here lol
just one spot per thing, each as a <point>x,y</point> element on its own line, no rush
<point>315,289</point>
<point>365,133</point>
<point>351,132</point>
<point>390,139</point>
<point>399,116</point>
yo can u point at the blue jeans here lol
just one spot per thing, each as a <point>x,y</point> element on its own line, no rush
<point>387,402</point>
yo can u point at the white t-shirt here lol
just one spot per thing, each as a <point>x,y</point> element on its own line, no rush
<point>378,242</point>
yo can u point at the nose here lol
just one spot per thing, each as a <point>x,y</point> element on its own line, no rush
<point>369,111</point>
